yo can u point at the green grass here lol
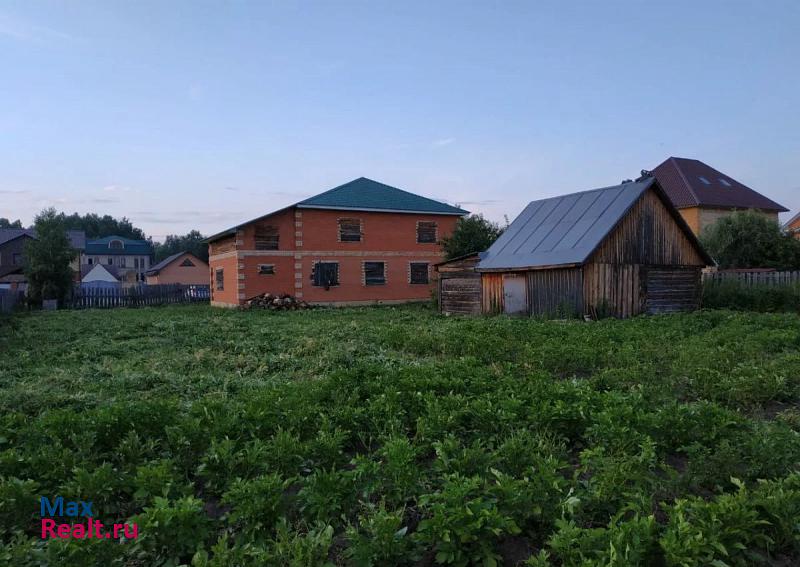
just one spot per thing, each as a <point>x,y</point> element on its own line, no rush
<point>395,436</point>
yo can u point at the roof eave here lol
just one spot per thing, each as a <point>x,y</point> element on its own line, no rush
<point>530,268</point>
<point>375,210</point>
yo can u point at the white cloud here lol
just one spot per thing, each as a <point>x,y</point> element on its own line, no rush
<point>21,30</point>
<point>443,142</point>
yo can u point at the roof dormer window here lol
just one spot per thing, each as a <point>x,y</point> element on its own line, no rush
<point>116,245</point>
<point>704,180</point>
<point>725,182</point>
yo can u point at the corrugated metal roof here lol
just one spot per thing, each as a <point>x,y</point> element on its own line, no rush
<point>366,194</point>
<point>562,230</point>
<point>692,183</point>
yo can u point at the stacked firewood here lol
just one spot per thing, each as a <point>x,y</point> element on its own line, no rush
<point>282,302</point>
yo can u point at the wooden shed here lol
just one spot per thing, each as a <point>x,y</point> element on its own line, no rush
<point>459,285</point>
<point>619,251</point>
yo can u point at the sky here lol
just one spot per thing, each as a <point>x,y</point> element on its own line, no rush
<point>200,115</point>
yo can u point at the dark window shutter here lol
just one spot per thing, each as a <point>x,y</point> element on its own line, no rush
<point>426,232</point>
<point>374,273</point>
<point>419,273</point>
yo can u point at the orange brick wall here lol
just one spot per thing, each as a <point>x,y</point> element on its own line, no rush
<point>311,235</point>
<point>794,228</point>
<point>229,295</point>
<point>175,273</point>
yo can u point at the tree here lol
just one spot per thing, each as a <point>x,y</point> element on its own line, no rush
<point>191,242</point>
<point>48,257</point>
<point>6,223</point>
<point>473,233</point>
<point>750,240</point>
<point>96,226</point>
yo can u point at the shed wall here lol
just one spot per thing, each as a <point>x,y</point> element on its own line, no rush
<point>555,292</point>
<point>459,287</point>
<point>647,234</point>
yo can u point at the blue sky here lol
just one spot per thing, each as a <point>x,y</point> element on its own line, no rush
<point>184,115</point>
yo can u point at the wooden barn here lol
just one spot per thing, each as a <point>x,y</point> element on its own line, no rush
<point>618,251</point>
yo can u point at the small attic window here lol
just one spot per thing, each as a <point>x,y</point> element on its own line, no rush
<point>725,182</point>
<point>116,245</point>
<point>704,180</point>
<point>187,263</point>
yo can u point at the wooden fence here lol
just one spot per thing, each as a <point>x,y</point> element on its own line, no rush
<point>10,300</point>
<point>752,279</point>
<point>136,296</point>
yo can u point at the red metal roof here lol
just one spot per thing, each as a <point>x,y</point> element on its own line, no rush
<point>692,183</point>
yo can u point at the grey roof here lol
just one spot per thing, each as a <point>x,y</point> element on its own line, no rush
<point>562,230</point>
<point>8,234</point>
<point>77,238</point>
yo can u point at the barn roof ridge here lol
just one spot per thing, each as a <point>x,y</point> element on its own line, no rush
<point>567,229</point>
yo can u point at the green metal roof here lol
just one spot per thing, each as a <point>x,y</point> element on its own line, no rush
<point>365,194</point>
<point>129,246</point>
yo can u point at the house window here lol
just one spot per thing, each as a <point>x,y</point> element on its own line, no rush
<point>349,230</point>
<point>426,232</point>
<point>122,262</point>
<point>16,259</point>
<point>374,273</point>
<point>110,260</point>
<point>187,263</point>
<point>266,269</point>
<point>418,273</point>
<point>219,279</point>
<point>325,274</point>
<point>116,245</point>
<point>266,237</point>
<point>90,261</point>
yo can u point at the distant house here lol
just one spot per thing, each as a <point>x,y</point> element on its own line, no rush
<point>183,268</point>
<point>793,226</point>
<point>12,257</point>
<point>12,253</point>
<point>703,195</point>
<point>621,251</point>
<point>131,258</point>
<point>361,242</point>
<point>98,275</point>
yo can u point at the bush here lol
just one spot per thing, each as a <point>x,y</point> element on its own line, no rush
<point>765,298</point>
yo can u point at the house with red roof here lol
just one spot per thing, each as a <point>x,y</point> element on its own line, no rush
<point>703,194</point>
<point>362,242</point>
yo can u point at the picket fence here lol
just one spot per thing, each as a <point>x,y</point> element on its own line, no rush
<point>753,279</point>
<point>136,296</point>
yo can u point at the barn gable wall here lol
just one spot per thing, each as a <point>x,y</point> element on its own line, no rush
<point>648,234</point>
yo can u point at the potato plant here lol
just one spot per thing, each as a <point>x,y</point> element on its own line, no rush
<point>395,436</point>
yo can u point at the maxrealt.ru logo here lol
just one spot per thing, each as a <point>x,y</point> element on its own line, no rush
<point>60,508</point>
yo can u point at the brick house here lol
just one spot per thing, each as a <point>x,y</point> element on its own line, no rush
<point>130,258</point>
<point>12,254</point>
<point>703,195</point>
<point>362,242</point>
<point>792,226</point>
<point>181,268</point>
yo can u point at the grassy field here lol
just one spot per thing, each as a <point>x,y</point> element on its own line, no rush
<point>393,436</point>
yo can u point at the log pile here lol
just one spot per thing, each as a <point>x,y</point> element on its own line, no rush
<point>282,302</point>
